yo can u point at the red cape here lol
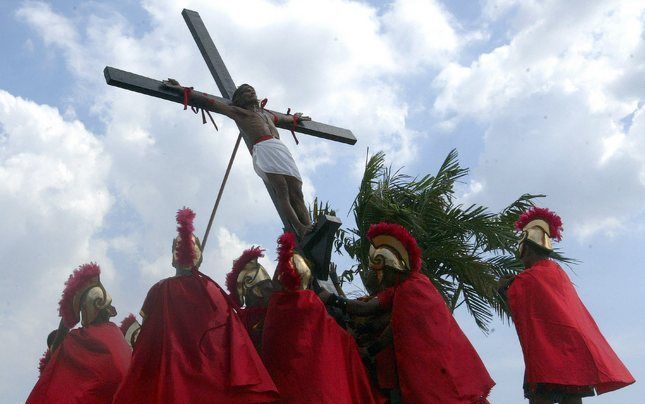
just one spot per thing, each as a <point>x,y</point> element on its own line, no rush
<point>86,368</point>
<point>193,348</point>
<point>435,361</point>
<point>310,357</point>
<point>560,340</point>
<point>253,320</point>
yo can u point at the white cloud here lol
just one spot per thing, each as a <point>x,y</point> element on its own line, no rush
<point>339,70</point>
<point>223,247</point>
<point>54,199</point>
<point>552,100</point>
<point>421,32</point>
<point>555,92</point>
<point>219,261</point>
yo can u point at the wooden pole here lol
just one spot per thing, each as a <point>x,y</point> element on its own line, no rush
<point>221,191</point>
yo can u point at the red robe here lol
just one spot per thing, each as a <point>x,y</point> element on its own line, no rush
<point>253,320</point>
<point>310,357</point>
<point>193,348</point>
<point>560,340</point>
<point>86,368</point>
<point>435,361</point>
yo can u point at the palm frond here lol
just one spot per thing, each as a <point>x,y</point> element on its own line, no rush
<point>465,248</point>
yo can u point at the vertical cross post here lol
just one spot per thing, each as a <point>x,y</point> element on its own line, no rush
<point>224,81</point>
<point>317,245</point>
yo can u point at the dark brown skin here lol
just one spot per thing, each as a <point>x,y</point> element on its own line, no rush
<point>530,256</point>
<point>392,278</point>
<point>103,317</point>
<point>265,289</point>
<point>357,307</point>
<point>255,123</point>
<point>60,336</point>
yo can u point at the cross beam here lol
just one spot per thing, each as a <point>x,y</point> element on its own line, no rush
<point>317,243</point>
<point>209,52</point>
<point>145,85</point>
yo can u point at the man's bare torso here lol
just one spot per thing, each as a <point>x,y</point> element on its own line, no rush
<point>256,124</point>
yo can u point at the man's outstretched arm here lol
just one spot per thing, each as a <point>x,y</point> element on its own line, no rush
<point>351,306</point>
<point>230,111</point>
<point>289,119</point>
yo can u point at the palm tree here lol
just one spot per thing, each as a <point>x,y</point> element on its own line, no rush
<point>465,248</point>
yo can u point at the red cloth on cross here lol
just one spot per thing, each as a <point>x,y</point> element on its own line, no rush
<point>435,361</point>
<point>86,368</point>
<point>310,357</point>
<point>193,348</point>
<point>560,340</point>
<point>253,320</point>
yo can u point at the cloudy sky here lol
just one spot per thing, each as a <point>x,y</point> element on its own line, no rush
<point>537,96</point>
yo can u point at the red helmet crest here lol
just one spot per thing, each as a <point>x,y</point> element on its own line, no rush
<point>83,277</point>
<point>238,265</point>
<point>288,275</point>
<point>402,235</point>
<point>127,322</point>
<point>554,221</point>
<point>186,246</point>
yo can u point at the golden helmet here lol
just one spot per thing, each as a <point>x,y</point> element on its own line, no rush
<point>538,227</point>
<point>388,252</point>
<point>392,247</point>
<point>186,248</point>
<point>130,328</point>
<point>196,256</point>
<point>246,274</point>
<point>84,297</point>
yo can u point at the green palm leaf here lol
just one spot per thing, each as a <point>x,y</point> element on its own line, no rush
<point>465,248</point>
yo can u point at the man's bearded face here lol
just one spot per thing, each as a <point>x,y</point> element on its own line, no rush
<point>248,96</point>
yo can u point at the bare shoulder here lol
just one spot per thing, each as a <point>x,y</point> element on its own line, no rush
<point>241,113</point>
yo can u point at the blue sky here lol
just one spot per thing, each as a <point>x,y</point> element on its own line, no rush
<point>537,96</point>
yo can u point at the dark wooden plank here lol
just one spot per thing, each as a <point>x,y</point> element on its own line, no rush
<point>210,53</point>
<point>319,243</point>
<point>155,88</point>
<point>226,85</point>
<point>323,131</point>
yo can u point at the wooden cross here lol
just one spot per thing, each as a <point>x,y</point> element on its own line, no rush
<point>155,88</point>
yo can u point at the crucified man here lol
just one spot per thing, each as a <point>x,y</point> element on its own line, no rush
<point>272,160</point>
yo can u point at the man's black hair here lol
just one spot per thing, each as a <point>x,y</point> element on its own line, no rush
<point>236,94</point>
<point>537,249</point>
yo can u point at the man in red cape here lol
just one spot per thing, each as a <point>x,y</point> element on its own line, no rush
<point>87,363</point>
<point>423,351</point>
<point>250,288</point>
<point>192,347</point>
<point>310,357</point>
<point>565,354</point>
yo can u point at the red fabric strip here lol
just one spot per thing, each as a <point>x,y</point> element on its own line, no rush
<point>293,129</point>
<point>263,138</point>
<point>187,91</point>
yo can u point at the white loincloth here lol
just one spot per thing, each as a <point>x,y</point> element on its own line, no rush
<point>273,157</point>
